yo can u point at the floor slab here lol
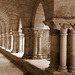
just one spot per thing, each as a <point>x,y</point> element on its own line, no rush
<point>8,68</point>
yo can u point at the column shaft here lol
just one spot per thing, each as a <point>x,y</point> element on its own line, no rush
<point>8,41</point>
<point>21,43</point>
<point>35,47</point>
<point>0,39</point>
<point>72,51</point>
<point>15,42</point>
<point>63,50</point>
<point>26,48</point>
<point>3,40</point>
<point>11,42</point>
<point>39,47</point>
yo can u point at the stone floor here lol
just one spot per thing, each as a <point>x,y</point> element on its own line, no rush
<point>8,68</point>
<point>39,63</point>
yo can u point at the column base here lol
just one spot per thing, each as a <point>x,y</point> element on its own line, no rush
<point>72,69</point>
<point>62,69</point>
<point>51,69</point>
<point>26,57</point>
<point>34,57</point>
<point>39,56</point>
<point>14,51</point>
<point>20,52</point>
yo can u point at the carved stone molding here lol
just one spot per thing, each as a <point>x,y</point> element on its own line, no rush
<point>15,33</point>
<point>33,32</point>
<point>63,23</point>
<point>60,23</point>
<point>27,31</point>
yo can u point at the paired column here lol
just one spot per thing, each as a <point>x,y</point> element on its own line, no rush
<point>32,50</point>
<point>63,28</point>
<point>72,51</point>
<point>63,50</point>
<point>37,41</point>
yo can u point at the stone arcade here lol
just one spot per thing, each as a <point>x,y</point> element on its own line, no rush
<point>40,29</point>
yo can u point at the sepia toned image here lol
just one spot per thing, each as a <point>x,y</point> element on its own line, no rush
<point>37,37</point>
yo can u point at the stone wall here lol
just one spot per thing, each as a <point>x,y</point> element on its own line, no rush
<point>64,8</point>
<point>46,44</point>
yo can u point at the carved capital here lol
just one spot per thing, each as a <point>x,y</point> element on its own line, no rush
<point>35,33</point>
<point>27,31</point>
<point>38,32</point>
<point>15,33</point>
<point>60,26</point>
<point>63,23</point>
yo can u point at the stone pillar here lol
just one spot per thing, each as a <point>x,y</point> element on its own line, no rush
<point>63,25</point>
<point>35,41</point>
<point>39,44</point>
<point>11,48</point>
<point>26,48</point>
<point>72,51</point>
<point>54,45</point>
<point>21,37</point>
<point>54,49</point>
<point>0,39</point>
<point>63,50</point>
<point>21,42</point>
<point>3,40</point>
<point>15,42</point>
<point>26,32</point>
<point>8,41</point>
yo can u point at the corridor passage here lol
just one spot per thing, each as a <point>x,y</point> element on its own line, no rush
<point>8,68</point>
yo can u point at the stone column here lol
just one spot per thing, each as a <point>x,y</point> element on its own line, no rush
<point>0,39</point>
<point>27,43</point>
<point>21,36</point>
<point>35,41</point>
<point>11,48</point>
<point>15,42</point>
<point>20,42</point>
<point>72,51</point>
<point>26,49</point>
<point>63,50</point>
<point>3,40</point>
<point>8,41</point>
<point>39,44</point>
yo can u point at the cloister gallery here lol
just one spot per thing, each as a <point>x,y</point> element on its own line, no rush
<point>37,33</point>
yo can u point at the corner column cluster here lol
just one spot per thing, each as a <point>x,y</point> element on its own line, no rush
<point>32,50</point>
<point>66,28</point>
